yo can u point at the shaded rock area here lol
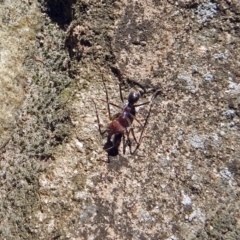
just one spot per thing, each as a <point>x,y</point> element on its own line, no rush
<point>183,181</point>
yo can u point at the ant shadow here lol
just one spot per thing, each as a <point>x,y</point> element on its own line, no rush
<point>117,163</point>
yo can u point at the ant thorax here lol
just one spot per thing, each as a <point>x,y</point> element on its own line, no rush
<point>126,118</point>
<point>126,109</point>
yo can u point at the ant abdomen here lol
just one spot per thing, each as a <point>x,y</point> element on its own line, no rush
<point>112,146</point>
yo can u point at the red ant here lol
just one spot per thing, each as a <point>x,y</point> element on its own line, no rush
<point>121,121</point>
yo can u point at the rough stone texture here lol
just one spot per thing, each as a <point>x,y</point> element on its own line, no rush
<point>183,182</point>
<point>17,33</point>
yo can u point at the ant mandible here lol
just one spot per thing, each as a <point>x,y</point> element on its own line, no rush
<point>121,122</point>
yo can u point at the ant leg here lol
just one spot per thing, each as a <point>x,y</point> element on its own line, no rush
<point>135,139</point>
<point>124,144</point>
<point>106,92</point>
<point>138,105</point>
<point>120,90</point>
<point>111,104</point>
<point>99,126</point>
<point>145,124</point>
<point>116,71</point>
<point>128,143</point>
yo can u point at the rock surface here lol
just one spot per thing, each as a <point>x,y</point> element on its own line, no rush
<point>183,182</point>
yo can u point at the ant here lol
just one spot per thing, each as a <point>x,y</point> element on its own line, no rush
<point>121,122</point>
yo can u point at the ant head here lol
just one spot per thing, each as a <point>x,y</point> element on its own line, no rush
<point>133,97</point>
